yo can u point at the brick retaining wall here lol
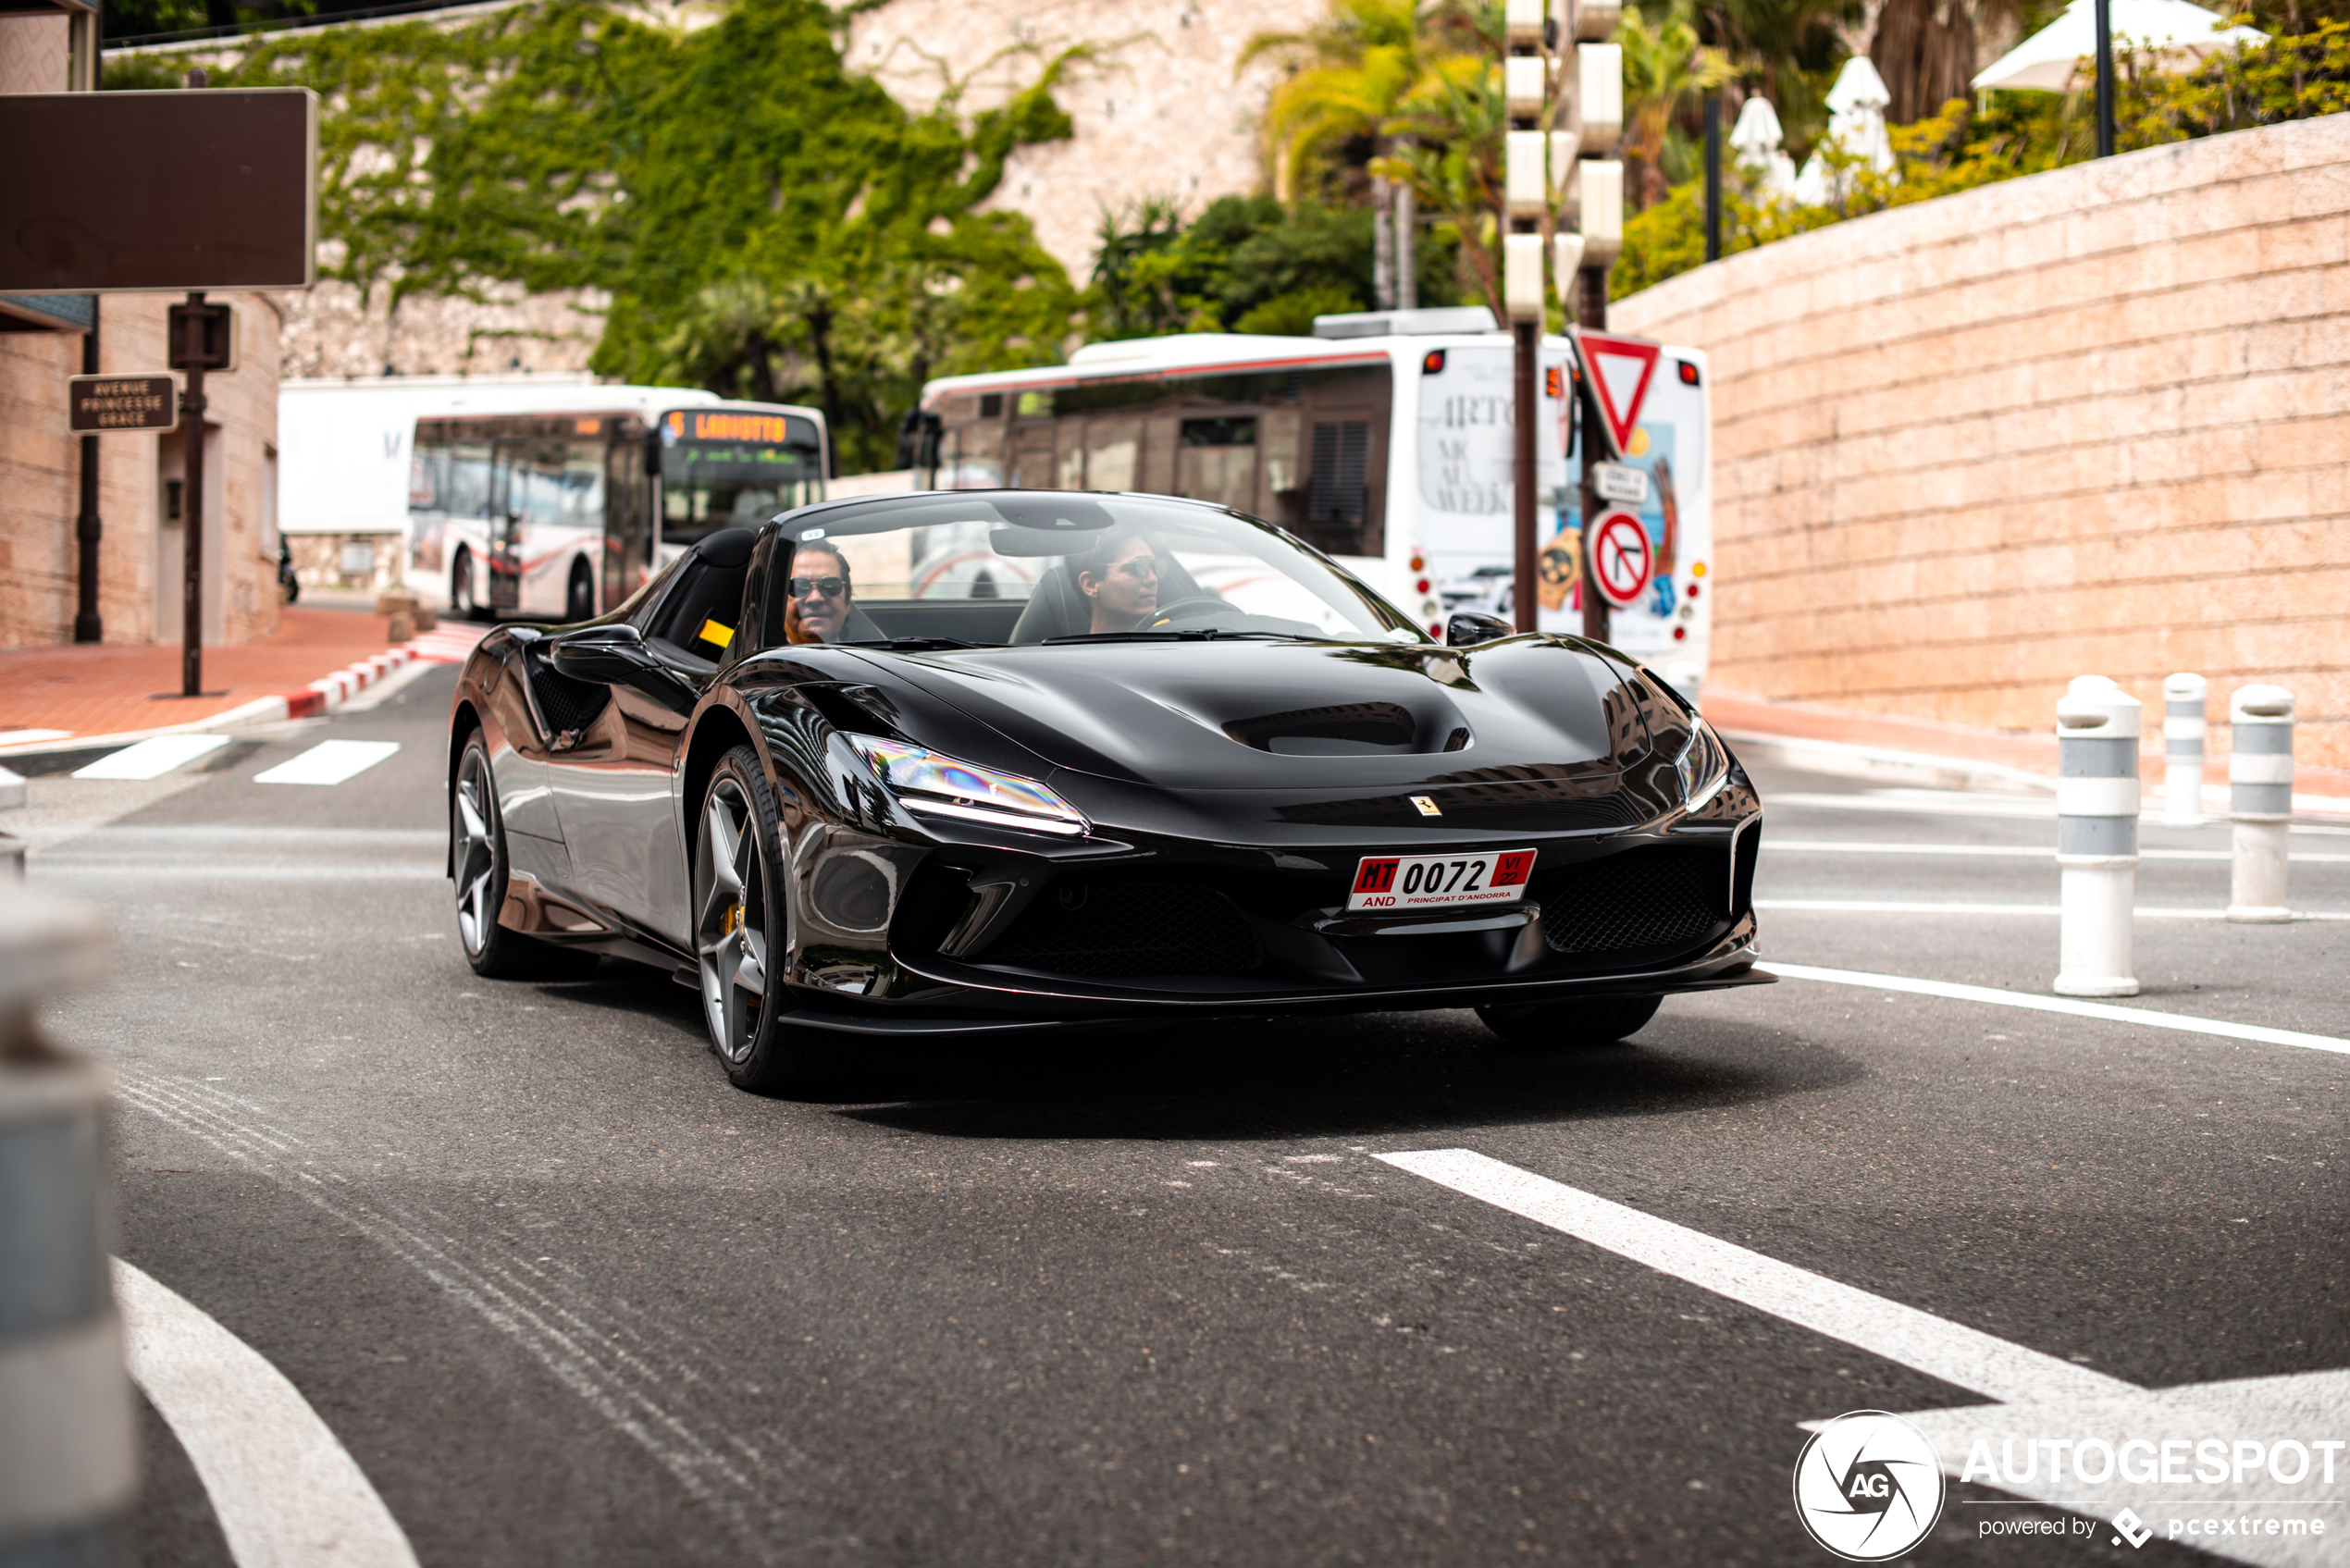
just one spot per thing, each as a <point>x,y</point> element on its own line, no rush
<point>2096,420</point>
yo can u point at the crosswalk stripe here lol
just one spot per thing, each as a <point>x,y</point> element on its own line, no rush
<point>152,757</point>
<point>329,762</point>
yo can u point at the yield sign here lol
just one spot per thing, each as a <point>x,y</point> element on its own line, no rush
<point>1620,559</point>
<point>1621,370</point>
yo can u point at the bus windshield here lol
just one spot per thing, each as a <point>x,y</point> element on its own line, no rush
<point>720,468</point>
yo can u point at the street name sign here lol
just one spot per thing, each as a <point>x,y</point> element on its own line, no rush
<point>1620,561</point>
<point>103,403</point>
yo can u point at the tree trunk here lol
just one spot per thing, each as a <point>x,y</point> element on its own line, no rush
<point>1924,49</point>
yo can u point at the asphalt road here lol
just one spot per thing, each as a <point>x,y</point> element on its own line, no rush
<point>569,1298</point>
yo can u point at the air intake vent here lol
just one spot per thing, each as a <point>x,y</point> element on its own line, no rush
<point>1340,730</point>
<point>1120,929</point>
<point>1339,491</point>
<point>1640,899</point>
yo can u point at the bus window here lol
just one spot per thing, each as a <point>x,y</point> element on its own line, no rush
<point>723,469</point>
<point>1300,448</point>
<point>627,558</point>
<point>1216,460</point>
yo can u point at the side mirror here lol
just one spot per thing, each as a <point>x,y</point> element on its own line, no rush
<point>602,654</point>
<point>1467,626</point>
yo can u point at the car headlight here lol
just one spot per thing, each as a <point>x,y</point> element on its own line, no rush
<point>1704,765</point>
<point>940,786</point>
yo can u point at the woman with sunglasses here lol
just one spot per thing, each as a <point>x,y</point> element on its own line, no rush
<point>1120,578</point>
<point>818,611</point>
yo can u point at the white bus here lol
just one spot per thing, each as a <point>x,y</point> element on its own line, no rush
<point>1385,440</point>
<point>536,496</point>
<point>561,513</point>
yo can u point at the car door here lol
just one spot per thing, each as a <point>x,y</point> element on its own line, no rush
<point>614,781</point>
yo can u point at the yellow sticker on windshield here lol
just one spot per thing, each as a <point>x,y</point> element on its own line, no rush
<point>711,631</point>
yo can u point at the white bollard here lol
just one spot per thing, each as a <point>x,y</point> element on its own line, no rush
<point>2098,728</point>
<point>2182,729</point>
<point>2259,801</point>
<point>68,1477</point>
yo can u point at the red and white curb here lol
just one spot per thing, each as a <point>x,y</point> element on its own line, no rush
<point>448,645</point>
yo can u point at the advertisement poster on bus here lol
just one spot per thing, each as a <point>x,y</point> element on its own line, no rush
<point>1467,478</point>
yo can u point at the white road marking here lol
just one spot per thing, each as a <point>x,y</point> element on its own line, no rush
<point>287,1493</point>
<point>2142,1017</point>
<point>26,737</point>
<point>2006,851</point>
<point>329,762</point>
<point>1948,803</point>
<point>151,759</point>
<point>1897,906</point>
<point>1965,1357</point>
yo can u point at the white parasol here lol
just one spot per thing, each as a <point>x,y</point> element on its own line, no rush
<point>2180,34</point>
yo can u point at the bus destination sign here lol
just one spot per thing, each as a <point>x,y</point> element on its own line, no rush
<point>123,402</point>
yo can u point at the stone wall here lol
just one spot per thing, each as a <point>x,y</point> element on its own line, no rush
<point>2096,421</point>
<point>1158,111</point>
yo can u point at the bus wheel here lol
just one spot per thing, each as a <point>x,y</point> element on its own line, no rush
<point>579,603</point>
<point>462,604</point>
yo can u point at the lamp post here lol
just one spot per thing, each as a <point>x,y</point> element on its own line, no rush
<point>1541,169</point>
<point>2105,77</point>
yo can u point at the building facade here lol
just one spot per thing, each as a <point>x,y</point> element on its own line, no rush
<point>142,496</point>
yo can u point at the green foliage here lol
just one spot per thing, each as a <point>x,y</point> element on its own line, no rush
<point>765,221</point>
<point>1245,263</point>
<point>2020,133</point>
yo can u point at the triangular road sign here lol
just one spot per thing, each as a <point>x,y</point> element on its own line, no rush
<point>1621,370</point>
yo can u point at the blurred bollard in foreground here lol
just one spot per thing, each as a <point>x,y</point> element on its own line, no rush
<point>11,846</point>
<point>2182,730</point>
<point>66,1471</point>
<point>1684,676</point>
<point>2259,800</point>
<point>2096,838</point>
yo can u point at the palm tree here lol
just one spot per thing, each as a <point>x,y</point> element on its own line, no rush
<point>1926,51</point>
<point>1787,51</point>
<point>1668,75</point>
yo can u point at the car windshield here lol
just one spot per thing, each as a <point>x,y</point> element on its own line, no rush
<point>1061,570</point>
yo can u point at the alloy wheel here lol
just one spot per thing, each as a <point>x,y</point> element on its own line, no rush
<point>730,922</point>
<point>473,815</point>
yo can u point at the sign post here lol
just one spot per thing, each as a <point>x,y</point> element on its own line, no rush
<point>201,336</point>
<point>1621,562</point>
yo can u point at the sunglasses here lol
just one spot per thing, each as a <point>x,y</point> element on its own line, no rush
<point>1141,566</point>
<point>830,587</point>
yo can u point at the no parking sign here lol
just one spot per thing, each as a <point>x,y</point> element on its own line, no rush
<point>1619,559</point>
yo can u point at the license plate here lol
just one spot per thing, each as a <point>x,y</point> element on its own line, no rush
<point>1440,882</point>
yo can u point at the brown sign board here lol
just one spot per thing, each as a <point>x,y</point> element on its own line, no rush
<point>169,191</point>
<point>123,402</point>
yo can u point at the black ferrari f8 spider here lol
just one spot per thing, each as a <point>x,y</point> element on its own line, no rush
<point>980,762</point>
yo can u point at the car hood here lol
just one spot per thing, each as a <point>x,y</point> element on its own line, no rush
<point>1308,716</point>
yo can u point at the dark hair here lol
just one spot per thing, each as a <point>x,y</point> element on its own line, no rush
<point>829,548</point>
<point>1096,561</point>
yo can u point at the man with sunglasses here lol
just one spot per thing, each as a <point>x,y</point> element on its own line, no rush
<point>820,593</point>
<point>1120,580</point>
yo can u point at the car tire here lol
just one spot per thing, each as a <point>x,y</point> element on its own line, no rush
<point>1570,1026</point>
<point>579,596</point>
<point>477,864</point>
<point>742,939</point>
<point>462,603</point>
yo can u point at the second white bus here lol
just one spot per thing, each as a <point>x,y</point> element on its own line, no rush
<point>1385,440</point>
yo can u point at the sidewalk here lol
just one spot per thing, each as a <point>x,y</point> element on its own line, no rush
<point>1930,753</point>
<point>77,694</point>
